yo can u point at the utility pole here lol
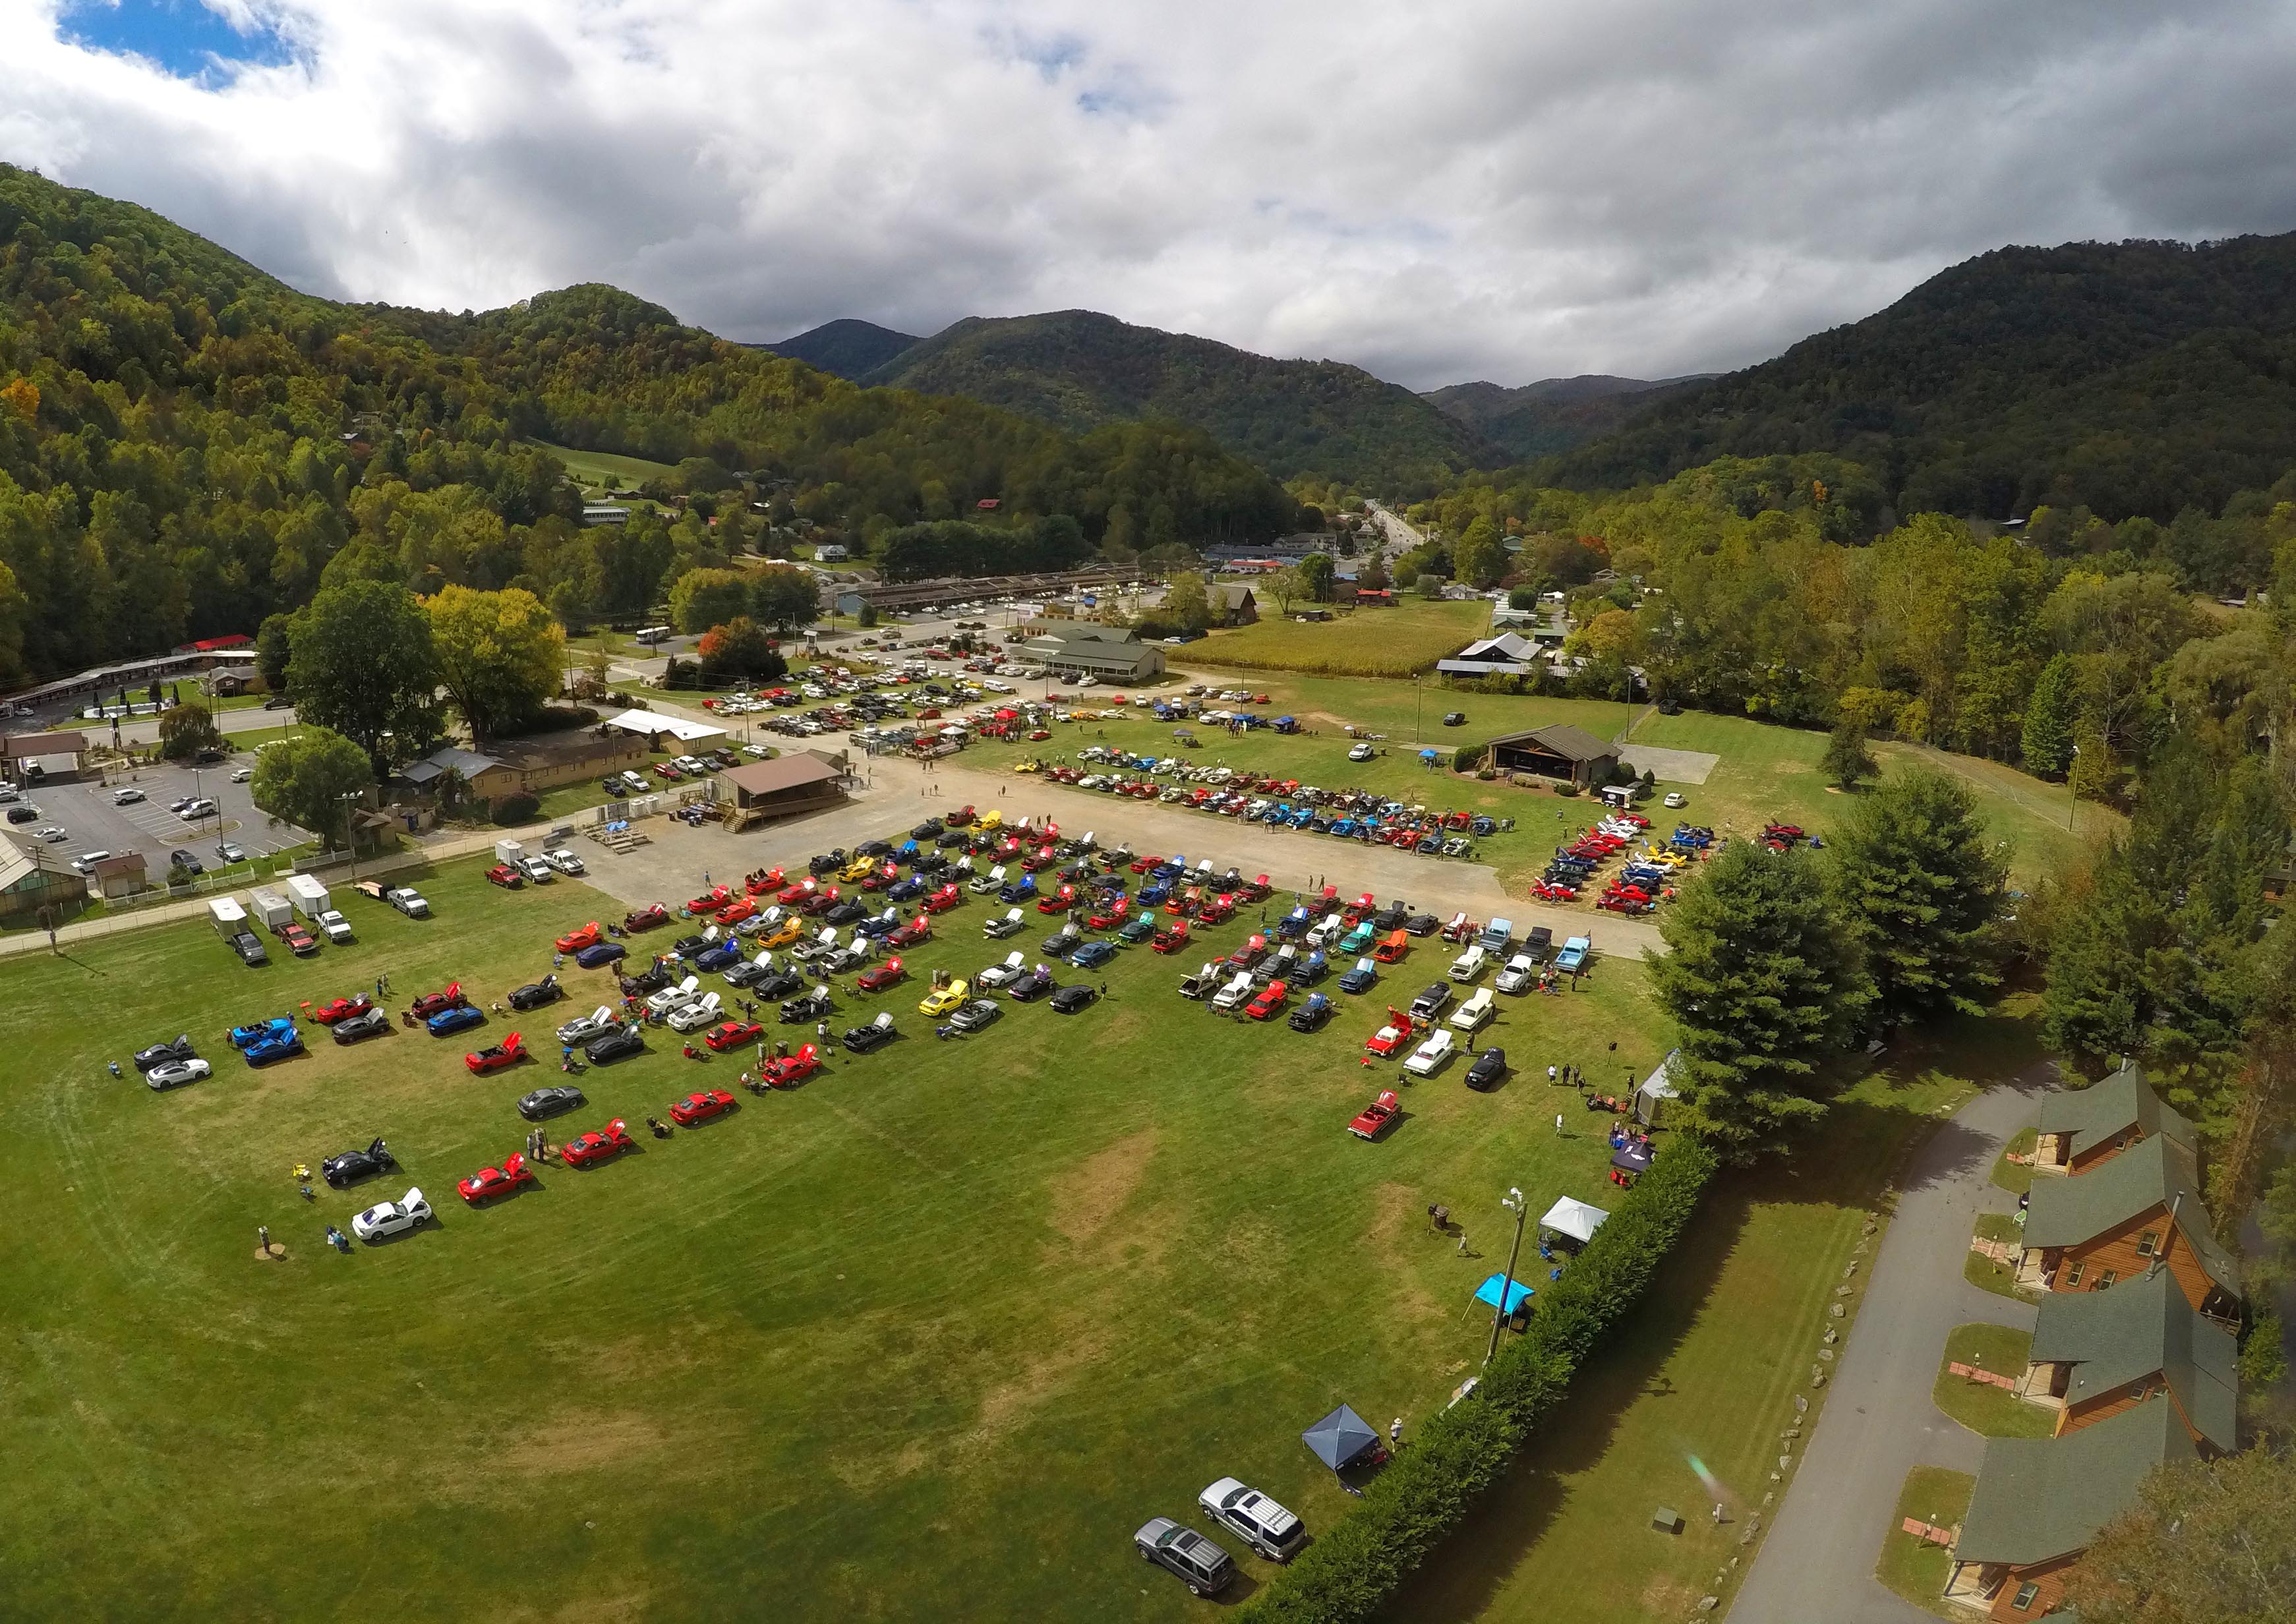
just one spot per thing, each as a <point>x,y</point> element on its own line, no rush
<point>1515,1202</point>
<point>2073,790</point>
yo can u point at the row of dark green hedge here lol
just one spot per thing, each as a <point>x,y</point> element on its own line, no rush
<point>1348,1573</point>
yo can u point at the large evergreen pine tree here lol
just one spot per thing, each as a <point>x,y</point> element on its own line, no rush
<point>1765,979</point>
<point>2048,743</point>
<point>1921,887</point>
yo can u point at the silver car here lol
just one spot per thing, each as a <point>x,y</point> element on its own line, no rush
<point>1200,1564</point>
<point>1268,1528</point>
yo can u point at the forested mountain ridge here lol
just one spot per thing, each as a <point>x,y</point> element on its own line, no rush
<point>1554,414</point>
<point>1083,370</point>
<point>2131,378</point>
<point>188,446</point>
<point>848,348</point>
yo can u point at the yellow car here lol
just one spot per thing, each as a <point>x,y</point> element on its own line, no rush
<point>990,819</point>
<point>782,934</point>
<point>1664,858</point>
<point>1030,766</point>
<point>945,1000</point>
<point>858,870</point>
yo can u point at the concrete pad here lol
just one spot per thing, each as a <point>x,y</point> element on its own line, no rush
<point>1670,765</point>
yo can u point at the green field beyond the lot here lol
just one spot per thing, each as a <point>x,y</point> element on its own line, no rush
<point>1396,642</point>
<point>927,1338</point>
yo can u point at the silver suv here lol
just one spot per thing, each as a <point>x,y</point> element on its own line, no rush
<point>1200,1564</point>
<point>1252,1517</point>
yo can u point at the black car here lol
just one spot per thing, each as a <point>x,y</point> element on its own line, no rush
<point>1454,718</point>
<point>1488,1072</point>
<point>815,1005</point>
<point>652,978</point>
<point>687,946</point>
<point>1033,985</point>
<point>976,1014</point>
<point>779,984</point>
<point>928,863</point>
<point>827,861</point>
<point>747,973</point>
<point>619,1044</point>
<point>612,787</point>
<point>1068,1000</point>
<point>1061,942</point>
<point>369,1024</point>
<point>873,849</point>
<point>948,839</point>
<point>188,861</point>
<point>551,1102</point>
<point>534,995</point>
<point>851,911</point>
<point>861,1039</point>
<point>165,1053</point>
<point>931,829</point>
<point>1429,1002</point>
<point>1421,924</point>
<point>352,1165</point>
<point>1391,917</point>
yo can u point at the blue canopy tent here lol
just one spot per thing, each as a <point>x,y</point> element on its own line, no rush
<point>1340,1438</point>
<point>1517,1293</point>
<point>1430,755</point>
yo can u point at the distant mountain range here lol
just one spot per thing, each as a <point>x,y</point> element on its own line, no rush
<point>847,347</point>
<point>1555,414</point>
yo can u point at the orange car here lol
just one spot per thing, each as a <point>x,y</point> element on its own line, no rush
<point>1390,947</point>
<point>588,936</point>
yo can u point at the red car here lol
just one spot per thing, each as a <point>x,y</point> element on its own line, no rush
<point>599,1144</point>
<point>645,919</point>
<point>1170,937</point>
<point>772,880</point>
<point>1216,911</point>
<point>487,1183</point>
<point>959,818</point>
<point>1391,1038</point>
<point>430,1003</point>
<point>797,893</point>
<point>735,912</point>
<point>877,879</point>
<point>1057,902</point>
<point>943,900</point>
<point>506,876</point>
<point>1256,890</point>
<point>1361,906</point>
<point>1043,858</point>
<point>341,1009</point>
<point>700,1107</point>
<point>732,1035</point>
<point>1109,915</point>
<point>1254,950</point>
<point>298,939</point>
<point>1376,1118</point>
<point>1038,735</point>
<point>819,902</point>
<point>1141,866</point>
<point>909,934</point>
<point>711,901</point>
<point>1390,947</point>
<point>496,1057</point>
<point>1271,998</point>
<point>588,936</point>
<point>792,1069</point>
<point>879,977</point>
<point>666,773</point>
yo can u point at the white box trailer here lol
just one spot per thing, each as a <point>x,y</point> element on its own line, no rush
<point>510,852</point>
<point>270,907</point>
<point>309,895</point>
<point>230,919</point>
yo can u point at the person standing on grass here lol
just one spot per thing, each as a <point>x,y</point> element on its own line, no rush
<point>1558,1124</point>
<point>1395,1433</point>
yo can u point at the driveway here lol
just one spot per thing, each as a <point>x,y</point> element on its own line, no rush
<point>1817,1562</point>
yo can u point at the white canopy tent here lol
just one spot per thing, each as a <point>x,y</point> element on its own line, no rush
<point>1656,1089</point>
<point>1574,1219</point>
<point>651,722</point>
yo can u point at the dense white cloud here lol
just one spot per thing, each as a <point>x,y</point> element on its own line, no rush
<point>1485,188</point>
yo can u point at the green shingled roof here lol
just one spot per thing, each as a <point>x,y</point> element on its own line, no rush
<point>2137,1329</point>
<point>2108,1109</point>
<point>2081,1206</point>
<point>2042,1497</point>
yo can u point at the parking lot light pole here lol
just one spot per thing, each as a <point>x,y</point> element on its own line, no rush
<point>2072,789</point>
<point>351,835</point>
<point>1515,1202</point>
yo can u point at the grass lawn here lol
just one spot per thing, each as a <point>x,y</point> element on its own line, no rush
<point>1983,1409</point>
<point>2017,1176</point>
<point>255,739</point>
<point>1913,1568</point>
<point>595,468</point>
<point>927,1338</point>
<point>1397,641</point>
<point>1706,1370</point>
<point>1983,1271</point>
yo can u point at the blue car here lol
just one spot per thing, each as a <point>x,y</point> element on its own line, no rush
<point>1361,979</point>
<point>903,890</point>
<point>907,852</point>
<point>1314,970</point>
<point>1155,894</point>
<point>724,955</point>
<point>1022,890</point>
<point>879,924</point>
<point>247,1037</point>
<point>1092,956</point>
<point>601,953</point>
<point>274,1045</point>
<point>461,1018</point>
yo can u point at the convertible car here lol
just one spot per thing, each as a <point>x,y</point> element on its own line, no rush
<point>497,1057</point>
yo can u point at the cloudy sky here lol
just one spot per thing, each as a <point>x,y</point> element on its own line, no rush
<point>1502,189</point>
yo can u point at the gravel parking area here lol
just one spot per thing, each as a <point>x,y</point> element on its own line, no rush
<point>91,821</point>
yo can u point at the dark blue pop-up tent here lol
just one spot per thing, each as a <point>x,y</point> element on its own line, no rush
<point>1339,1437</point>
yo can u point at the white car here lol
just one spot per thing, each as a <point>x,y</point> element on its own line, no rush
<point>241,775</point>
<point>1427,1058</point>
<point>1361,752</point>
<point>1470,964</point>
<point>387,1219</point>
<point>993,881</point>
<point>85,864</point>
<point>1268,1528</point>
<point>197,810</point>
<point>1237,991</point>
<point>1010,924</point>
<point>697,1014</point>
<point>537,870</point>
<point>1520,974</point>
<point>1676,798</point>
<point>597,1023</point>
<point>175,1073</point>
<point>409,902</point>
<point>126,798</point>
<point>1000,975</point>
<point>564,861</point>
<point>51,833</point>
<point>676,997</point>
<point>336,928</point>
<point>1475,1013</point>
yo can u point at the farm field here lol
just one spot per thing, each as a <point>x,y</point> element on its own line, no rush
<point>591,468</point>
<point>1397,641</point>
<point>928,1337</point>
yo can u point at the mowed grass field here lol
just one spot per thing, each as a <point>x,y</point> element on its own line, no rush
<point>927,1338</point>
<point>1411,636</point>
<point>595,467</point>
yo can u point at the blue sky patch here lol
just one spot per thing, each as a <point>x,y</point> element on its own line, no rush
<point>186,37</point>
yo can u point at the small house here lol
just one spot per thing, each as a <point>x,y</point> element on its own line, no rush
<point>2139,1209</point>
<point>2095,1354</point>
<point>2082,1128</point>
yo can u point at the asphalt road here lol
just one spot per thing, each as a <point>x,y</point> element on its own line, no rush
<point>1817,1562</point>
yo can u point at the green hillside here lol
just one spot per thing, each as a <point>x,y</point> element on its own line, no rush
<point>846,346</point>
<point>1554,414</point>
<point>188,446</point>
<point>2134,378</point>
<point>1082,370</point>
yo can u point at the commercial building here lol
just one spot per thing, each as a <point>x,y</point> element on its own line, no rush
<point>1081,648</point>
<point>42,755</point>
<point>528,766</point>
<point>29,883</point>
<point>1558,750</point>
<point>1504,655</point>
<point>800,782</point>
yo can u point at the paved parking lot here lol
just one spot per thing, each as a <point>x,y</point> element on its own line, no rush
<point>92,823</point>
